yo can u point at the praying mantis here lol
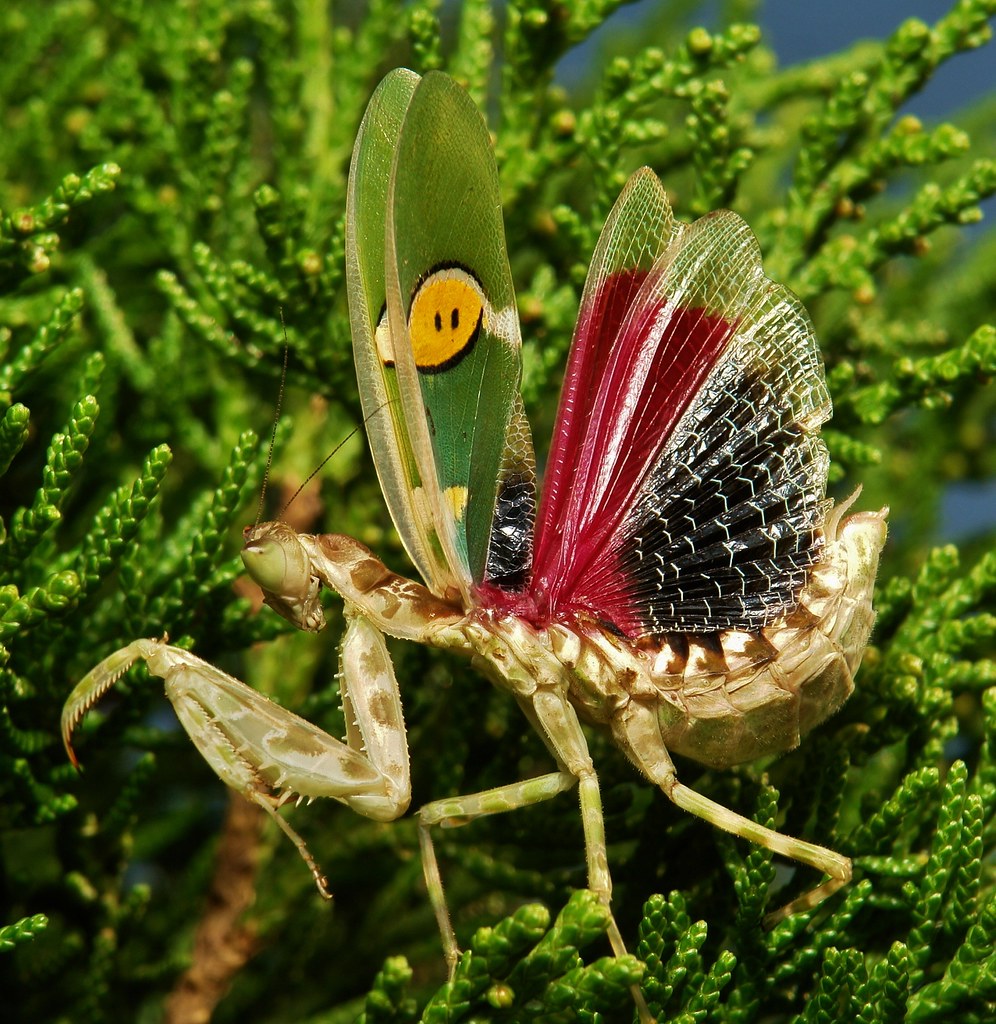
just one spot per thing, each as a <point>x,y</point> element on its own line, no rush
<point>683,582</point>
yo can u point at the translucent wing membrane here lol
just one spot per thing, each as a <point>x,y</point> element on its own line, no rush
<point>635,236</point>
<point>727,523</point>
<point>436,335</point>
<point>689,481</point>
<point>383,413</point>
<point>452,315</point>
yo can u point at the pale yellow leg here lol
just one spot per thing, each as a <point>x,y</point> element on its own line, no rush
<point>451,812</point>
<point>638,733</point>
<point>558,724</point>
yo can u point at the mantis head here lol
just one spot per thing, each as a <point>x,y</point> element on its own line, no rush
<point>277,559</point>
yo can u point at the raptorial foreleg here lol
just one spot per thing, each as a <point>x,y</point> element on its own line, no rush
<point>268,753</point>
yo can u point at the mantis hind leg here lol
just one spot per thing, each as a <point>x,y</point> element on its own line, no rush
<point>836,866</point>
<point>637,731</point>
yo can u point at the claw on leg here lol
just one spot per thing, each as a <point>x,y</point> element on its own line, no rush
<point>267,753</point>
<point>270,806</point>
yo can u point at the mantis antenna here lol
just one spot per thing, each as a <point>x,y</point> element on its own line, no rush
<point>273,439</point>
<point>321,465</point>
<point>273,432</point>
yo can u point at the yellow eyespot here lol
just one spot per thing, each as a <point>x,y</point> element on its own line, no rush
<point>446,317</point>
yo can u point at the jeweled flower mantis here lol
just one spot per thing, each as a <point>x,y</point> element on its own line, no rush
<point>682,581</point>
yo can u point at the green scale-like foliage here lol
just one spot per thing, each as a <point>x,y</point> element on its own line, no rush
<point>172,190</point>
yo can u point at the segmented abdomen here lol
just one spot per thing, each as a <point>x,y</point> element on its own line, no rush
<point>737,696</point>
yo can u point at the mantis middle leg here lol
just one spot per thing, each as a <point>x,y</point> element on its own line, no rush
<point>557,722</point>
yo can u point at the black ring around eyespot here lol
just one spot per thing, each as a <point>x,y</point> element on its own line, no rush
<point>435,348</point>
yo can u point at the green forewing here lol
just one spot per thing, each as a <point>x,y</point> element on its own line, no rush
<point>444,216</point>
<point>383,410</point>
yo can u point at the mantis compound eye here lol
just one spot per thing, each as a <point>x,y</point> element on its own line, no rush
<point>274,558</point>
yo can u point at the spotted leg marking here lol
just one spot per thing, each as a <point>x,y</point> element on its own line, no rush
<point>269,754</point>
